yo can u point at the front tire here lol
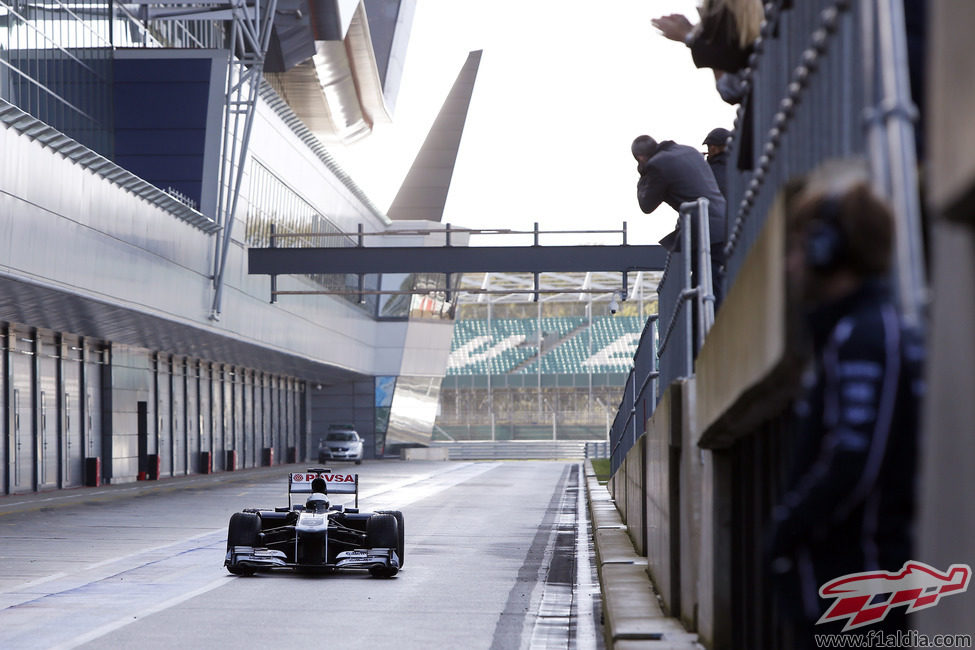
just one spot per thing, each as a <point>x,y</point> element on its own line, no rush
<point>401,534</point>
<point>244,530</point>
<point>382,532</point>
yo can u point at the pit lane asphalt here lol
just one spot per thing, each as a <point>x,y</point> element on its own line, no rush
<point>139,565</point>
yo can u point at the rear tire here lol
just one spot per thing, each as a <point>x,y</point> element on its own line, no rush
<point>244,530</point>
<point>401,531</point>
<point>382,532</point>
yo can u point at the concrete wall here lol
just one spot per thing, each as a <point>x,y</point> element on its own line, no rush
<point>425,453</point>
<point>636,495</point>
<point>681,471</point>
<point>745,369</point>
<point>696,511</point>
<point>946,528</point>
<point>657,482</point>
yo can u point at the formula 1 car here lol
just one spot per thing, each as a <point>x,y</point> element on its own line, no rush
<point>316,535</point>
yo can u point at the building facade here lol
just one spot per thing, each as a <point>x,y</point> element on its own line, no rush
<point>119,362</point>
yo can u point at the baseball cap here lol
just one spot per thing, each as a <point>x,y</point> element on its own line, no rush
<point>718,137</point>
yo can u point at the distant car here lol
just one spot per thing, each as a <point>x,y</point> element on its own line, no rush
<point>316,535</point>
<point>340,443</point>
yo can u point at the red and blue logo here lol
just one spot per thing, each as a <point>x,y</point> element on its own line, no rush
<point>866,598</point>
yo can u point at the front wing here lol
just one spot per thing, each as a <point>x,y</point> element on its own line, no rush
<point>259,558</point>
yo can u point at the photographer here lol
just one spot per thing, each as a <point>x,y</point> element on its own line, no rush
<point>674,173</point>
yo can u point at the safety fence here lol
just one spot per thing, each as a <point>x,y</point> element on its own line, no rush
<point>686,313</point>
<point>828,80</point>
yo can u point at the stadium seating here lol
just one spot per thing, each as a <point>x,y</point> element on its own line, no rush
<point>512,344</point>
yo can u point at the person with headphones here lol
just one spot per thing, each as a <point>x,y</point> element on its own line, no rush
<point>850,496</point>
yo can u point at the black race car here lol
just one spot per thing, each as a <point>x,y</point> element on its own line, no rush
<point>316,535</point>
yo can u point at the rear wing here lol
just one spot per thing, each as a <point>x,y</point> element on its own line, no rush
<point>317,479</point>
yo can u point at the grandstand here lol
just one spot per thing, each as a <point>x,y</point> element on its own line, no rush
<point>504,345</point>
<point>520,370</point>
<point>607,346</point>
<point>512,345</point>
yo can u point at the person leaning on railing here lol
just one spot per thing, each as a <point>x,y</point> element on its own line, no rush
<point>674,174</point>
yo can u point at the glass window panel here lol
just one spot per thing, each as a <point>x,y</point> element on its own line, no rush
<point>56,68</point>
<point>271,200</point>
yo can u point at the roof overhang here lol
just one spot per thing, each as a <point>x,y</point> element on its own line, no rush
<point>337,93</point>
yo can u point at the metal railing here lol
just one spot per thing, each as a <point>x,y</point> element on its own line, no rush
<point>802,71</point>
<point>828,80</point>
<point>686,312</point>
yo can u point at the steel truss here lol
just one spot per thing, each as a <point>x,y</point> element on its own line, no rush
<point>249,38</point>
<point>452,260</point>
<point>250,33</point>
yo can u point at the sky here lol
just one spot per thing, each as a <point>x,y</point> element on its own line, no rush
<point>563,88</point>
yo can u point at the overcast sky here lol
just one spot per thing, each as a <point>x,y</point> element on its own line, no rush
<point>563,88</point>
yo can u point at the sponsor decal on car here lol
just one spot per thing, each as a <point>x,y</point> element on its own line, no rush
<point>303,477</point>
<point>301,482</point>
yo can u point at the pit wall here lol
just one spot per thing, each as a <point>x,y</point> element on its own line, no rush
<point>664,491</point>
<point>946,526</point>
<point>682,488</point>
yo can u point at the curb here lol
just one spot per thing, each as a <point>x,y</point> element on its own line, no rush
<point>631,612</point>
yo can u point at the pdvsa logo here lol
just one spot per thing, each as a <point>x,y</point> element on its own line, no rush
<point>329,478</point>
<point>866,598</point>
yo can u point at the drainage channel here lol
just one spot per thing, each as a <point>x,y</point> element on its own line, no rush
<point>569,605</point>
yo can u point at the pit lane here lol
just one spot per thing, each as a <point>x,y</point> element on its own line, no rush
<point>489,564</point>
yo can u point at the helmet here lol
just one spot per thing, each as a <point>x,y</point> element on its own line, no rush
<point>317,502</point>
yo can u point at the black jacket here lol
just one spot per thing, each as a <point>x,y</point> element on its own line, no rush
<point>676,174</point>
<point>851,491</point>
<point>719,167</point>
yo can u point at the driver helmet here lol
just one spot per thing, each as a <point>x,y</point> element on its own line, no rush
<point>317,502</point>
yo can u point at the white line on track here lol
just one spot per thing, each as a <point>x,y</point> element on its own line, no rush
<point>584,587</point>
<point>132,618</point>
<point>539,592</point>
<point>115,565</point>
<point>565,612</point>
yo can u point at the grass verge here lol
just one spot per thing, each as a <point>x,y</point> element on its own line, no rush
<point>601,467</point>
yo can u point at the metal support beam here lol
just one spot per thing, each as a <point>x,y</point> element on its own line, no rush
<point>362,277</point>
<point>410,292</point>
<point>250,36</point>
<point>274,278</point>
<point>453,259</point>
<point>447,293</point>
